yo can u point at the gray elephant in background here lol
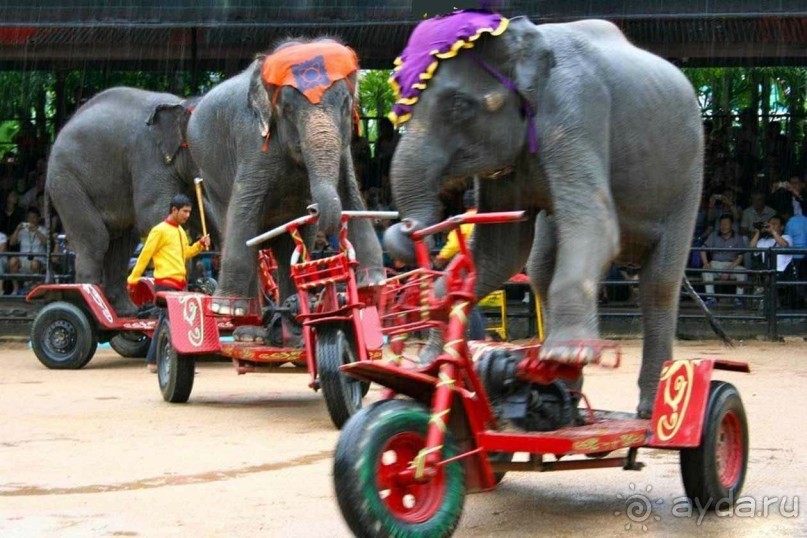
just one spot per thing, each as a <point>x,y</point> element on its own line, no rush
<point>111,174</point>
<point>266,152</point>
<point>615,173</point>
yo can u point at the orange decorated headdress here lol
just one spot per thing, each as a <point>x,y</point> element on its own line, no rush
<point>312,68</point>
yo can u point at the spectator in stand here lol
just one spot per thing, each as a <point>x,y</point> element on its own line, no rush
<point>770,235</point>
<point>32,239</point>
<point>757,214</point>
<point>796,228</point>
<point>724,237</point>
<point>322,247</point>
<point>722,204</point>
<point>12,215</point>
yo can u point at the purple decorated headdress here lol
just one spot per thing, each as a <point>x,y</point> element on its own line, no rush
<point>434,40</point>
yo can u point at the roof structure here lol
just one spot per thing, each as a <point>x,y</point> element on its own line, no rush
<point>225,35</point>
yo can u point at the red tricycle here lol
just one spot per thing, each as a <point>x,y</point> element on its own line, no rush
<point>66,331</point>
<point>339,323</point>
<point>403,466</point>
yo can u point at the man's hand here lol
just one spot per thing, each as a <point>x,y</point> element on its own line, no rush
<point>205,241</point>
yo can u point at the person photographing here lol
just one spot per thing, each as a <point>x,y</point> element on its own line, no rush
<point>771,235</point>
<point>168,247</point>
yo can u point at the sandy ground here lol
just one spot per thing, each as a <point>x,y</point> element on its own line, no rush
<point>97,452</point>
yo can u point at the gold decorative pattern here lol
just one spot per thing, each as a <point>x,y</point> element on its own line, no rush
<point>676,385</point>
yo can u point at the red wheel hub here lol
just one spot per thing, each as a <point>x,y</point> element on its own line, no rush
<point>729,450</point>
<point>407,501</point>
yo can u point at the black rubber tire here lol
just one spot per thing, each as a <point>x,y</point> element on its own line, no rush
<point>343,394</point>
<point>700,465</point>
<point>130,344</point>
<point>175,372</point>
<point>63,337</point>
<point>356,471</point>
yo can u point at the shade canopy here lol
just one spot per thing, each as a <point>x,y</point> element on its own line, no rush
<point>219,35</point>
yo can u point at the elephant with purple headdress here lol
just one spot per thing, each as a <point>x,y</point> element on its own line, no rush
<point>599,141</point>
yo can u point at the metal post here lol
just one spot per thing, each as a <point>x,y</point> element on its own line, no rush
<point>771,295</point>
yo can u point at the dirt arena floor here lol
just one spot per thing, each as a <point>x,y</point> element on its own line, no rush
<point>97,452</point>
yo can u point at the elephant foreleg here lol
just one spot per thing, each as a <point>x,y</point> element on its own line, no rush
<point>541,262</point>
<point>587,237</point>
<point>238,262</point>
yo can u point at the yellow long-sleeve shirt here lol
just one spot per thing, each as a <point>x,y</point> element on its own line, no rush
<point>452,246</point>
<point>167,244</point>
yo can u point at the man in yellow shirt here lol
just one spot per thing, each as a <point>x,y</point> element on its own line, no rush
<point>168,246</point>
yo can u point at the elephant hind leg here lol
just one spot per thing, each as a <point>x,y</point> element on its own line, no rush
<point>85,229</point>
<point>116,269</point>
<point>659,293</point>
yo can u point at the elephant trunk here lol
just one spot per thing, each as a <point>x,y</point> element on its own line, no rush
<point>322,153</point>
<point>416,173</point>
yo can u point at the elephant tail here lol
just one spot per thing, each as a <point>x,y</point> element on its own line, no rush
<point>49,238</point>
<point>713,322</point>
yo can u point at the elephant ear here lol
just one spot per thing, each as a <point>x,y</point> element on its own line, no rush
<point>168,124</point>
<point>259,99</point>
<point>532,56</point>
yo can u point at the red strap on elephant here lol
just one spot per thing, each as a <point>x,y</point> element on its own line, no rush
<point>312,68</point>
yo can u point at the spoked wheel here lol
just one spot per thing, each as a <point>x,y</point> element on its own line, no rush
<point>175,372</point>
<point>715,470</point>
<point>375,449</point>
<point>343,394</point>
<point>62,336</point>
<point>130,344</point>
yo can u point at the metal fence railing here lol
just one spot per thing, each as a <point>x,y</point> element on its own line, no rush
<point>768,296</point>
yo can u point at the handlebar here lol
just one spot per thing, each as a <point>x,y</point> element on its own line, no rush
<point>383,215</point>
<point>450,223</point>
<point>313,215</point>
<point>283,228</point>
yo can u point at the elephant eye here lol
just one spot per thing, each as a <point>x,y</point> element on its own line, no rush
<point>462,107</point>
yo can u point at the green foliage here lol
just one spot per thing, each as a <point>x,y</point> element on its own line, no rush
<point>376,98</point>
<point>32,94</point>
<point>375,92</point>
<point>729,90</point>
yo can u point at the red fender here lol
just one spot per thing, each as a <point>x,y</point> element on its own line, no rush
<point>192,331</point>
<point>680,406</point>
<point>89,295</point>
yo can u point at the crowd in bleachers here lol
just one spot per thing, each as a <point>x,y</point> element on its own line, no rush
<point>751,183</point>
<point>24,239</point>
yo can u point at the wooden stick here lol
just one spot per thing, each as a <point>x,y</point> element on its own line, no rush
<point>198,184</point>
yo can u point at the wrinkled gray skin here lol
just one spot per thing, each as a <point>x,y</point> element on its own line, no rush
<point>111,174</point>
<point>308,160</point>
<point>618,170</point>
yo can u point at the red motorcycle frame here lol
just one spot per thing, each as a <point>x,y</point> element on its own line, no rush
<point>340,326</point>
<point>405,465</point>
